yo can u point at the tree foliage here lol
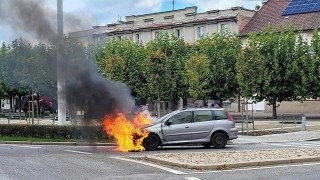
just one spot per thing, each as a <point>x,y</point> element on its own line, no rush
<point>222,51</point>
<point>176,52</point>
<point>250,70</point>
<point>124,61</point>
<point>197,74</point>
<point>314,66</point>
<point>278,53</point>
<point>159,82</point>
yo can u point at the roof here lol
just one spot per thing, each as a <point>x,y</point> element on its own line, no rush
<point>165,24</point>
<point>271,13</point>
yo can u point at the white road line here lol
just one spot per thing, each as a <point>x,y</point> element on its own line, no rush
<point>286,145</point>
<point>307,144</point>
<point>80,152</point>
<point>25,146</point>
<point>149,164</point>
<point>192,178</point>
<point>257,168</point>
<point>295,144</point>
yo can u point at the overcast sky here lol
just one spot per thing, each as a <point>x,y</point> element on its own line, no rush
<point>102,12</point>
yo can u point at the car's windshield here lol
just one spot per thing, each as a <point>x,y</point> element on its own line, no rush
<point>165,116</point>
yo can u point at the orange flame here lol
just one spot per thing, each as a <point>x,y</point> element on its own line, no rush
<point>128,135</point>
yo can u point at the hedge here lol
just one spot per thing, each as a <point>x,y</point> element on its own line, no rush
<point>53,131</point>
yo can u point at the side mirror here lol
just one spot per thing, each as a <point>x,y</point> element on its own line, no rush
<point>168,123</point>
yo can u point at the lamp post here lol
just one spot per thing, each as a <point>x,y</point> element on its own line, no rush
<point>60,67</point>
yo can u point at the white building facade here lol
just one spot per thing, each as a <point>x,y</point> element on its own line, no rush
<point>184,23</point>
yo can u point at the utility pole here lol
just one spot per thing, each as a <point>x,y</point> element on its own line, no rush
<point>172,5</point>
<point>61,77</point>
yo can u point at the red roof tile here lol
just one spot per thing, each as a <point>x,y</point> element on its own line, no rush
<point>271,13</point>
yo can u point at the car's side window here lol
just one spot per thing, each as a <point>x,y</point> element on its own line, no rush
<point>181,118</point>
<point>201,116</point>
<point>220,115</point>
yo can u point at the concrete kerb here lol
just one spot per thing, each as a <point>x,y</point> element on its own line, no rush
<point>232,165</point>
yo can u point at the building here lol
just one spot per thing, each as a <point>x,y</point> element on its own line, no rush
<point>278,13</point>
<point>185,23</point>
<point>85,36</point>
<point>304,16</point>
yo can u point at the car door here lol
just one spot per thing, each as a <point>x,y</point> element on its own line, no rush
<point>178,127</point>
<point>202,124</point>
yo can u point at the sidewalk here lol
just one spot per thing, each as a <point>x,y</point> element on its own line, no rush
<point>284,137</point>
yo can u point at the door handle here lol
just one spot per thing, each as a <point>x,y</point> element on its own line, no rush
<point>187,126</point>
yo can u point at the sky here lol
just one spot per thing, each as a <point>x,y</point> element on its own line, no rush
<point>102,12</point>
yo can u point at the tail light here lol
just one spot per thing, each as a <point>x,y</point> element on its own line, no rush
<point>230,118</point>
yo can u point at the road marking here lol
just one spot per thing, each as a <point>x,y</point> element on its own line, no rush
<point>192,178</point>
<point>296,144</point>
<point>25,146</point>
<point>153,165</point>
<point>80,152</point>
<point>258,168</point>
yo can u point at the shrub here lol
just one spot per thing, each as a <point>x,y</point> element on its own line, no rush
<point>53,131</point>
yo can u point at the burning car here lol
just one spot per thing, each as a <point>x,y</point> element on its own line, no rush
<point>128,133</point>
<point>205,126</point>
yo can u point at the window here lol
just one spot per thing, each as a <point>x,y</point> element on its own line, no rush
<point>181,118</point>
<point>179,33</point>
<point>224,28</point>
<point>201,32</point>
<point>220,115</point>
<point>138,38</point>
<point>201,116</point>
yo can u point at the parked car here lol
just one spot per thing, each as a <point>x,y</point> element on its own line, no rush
<point>205,126</point>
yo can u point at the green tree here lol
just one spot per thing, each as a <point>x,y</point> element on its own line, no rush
<point>277,48</point>
<point>300,68</point>
<point>123,61</point>
<point>158,76</point>
<point>250,70</point>
<point>177,52</point>
<point>314,66</point>
<point>222,51</point>
<point>197,73</point>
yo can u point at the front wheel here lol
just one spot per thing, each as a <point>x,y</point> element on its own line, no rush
<point>151,143</point>
<point>219,141</point>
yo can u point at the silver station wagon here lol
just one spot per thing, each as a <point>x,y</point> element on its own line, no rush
<point>205,126</point>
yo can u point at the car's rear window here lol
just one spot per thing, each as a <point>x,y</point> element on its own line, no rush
<point>220,115</point>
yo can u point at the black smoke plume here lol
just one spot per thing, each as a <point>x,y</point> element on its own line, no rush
<point>86,89</point>
<point>35,20</point>
<point>89,91</point>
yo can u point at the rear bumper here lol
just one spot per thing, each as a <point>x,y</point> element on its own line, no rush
<point>233,133</point>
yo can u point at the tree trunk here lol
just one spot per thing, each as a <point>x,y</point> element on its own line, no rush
<point>220,101</point>
<point>20,103</point>
<point>11,103</point>
<point>274,109</point>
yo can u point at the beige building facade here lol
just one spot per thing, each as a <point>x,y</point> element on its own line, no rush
<point>185,23</point>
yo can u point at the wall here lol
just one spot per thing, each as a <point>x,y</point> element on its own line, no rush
<point>310,106</point>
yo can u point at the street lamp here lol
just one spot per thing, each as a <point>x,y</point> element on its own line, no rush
<point>60,67</point>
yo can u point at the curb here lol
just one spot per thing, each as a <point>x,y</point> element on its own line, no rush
<point>232,165</point>
<point>58,143</point>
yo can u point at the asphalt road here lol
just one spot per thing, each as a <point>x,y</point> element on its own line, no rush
<point>83,162</point>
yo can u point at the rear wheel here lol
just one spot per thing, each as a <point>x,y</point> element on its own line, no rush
<point>151,143</point>
<point>219,141</point>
